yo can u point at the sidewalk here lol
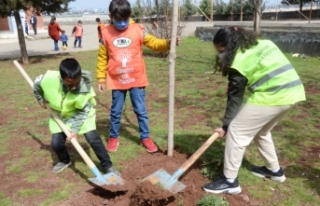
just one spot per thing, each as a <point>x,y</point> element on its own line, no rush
<point>42,44</point>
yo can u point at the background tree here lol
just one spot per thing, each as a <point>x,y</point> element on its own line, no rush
<point>12,8</point>
<point>220,7</point>
<point>296,2</point>
<point>137,10</point>
<point>205,7</point>
<point>188,9</point>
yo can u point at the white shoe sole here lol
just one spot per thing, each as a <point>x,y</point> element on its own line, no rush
<point>115,149</point>
<point>67,165</point>
<point>231,191</point>
<point>274,178</point>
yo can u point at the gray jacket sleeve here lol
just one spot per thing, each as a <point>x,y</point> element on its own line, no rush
<point>236,88</point>
<point>37,90</point>
<point>79,118</point>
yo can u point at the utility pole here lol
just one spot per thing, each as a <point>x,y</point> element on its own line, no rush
<point>211,10</point>
<point>310,11</point>
<point>277,12</point>
<point>231,10</point>
<point>241,9</point>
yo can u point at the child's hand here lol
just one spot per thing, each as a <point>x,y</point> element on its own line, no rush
<point>72,135</point>
<point>178,41</point>
<point>101,87</point>
<point>221,132</point>
<point>43,104</point>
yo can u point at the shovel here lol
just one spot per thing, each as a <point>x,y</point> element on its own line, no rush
<point>101,180</point>
<point>170,182</point>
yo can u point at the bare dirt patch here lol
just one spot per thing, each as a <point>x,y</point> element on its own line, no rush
<point>136,192</point>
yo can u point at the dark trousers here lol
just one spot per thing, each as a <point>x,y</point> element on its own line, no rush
<point>78,38</point>
<point>58,144</point>
<point>34,27</point>
<point>64,43</point>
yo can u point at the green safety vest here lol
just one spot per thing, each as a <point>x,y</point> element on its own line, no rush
<point>67,105</point>
<point>271,78</point>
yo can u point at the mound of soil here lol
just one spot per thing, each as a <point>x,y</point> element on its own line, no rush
<point>137,192</point>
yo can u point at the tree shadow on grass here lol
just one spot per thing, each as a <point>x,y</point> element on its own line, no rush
<point>310,174</point>
<point>72,152</point>
<point>103,126</point>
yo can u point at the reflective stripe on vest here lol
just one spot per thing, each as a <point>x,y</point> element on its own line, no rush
<point>269,76</point>
<point>285,86</point>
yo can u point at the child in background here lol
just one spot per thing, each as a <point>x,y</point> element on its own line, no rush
<point>70,94</point>
<point>120,62</point>
<point>77,32</point>
<point>64,39</point>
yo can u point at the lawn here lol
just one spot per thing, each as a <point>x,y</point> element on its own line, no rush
<point>199,107</point>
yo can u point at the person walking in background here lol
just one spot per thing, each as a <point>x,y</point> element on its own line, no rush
<point>54,32</point>
<point>33,22</point>
<point>26,27</point>
<point>99,27</point>
<point>64,39</point>
<point>70,95</point>
<point>77,31</point>
<point>120,62</point>
<point>258,64</point>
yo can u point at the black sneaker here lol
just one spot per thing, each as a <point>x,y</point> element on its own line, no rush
<point>221,185</point>
<point>266,173</point>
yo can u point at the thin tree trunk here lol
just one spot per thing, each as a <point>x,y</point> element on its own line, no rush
<point>241,10</point>
<point>257,15</point>
<point>22,42</point>
<point>172,57</point>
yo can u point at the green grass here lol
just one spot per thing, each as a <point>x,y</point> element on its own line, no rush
<point>199,106</point>
<point>29,192</point>
<point>212,200</point>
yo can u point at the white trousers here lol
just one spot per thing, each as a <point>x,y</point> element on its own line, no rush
<point>253,122</point>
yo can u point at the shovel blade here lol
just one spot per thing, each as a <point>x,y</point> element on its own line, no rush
<point>107,179</point>
<point>166,181</point>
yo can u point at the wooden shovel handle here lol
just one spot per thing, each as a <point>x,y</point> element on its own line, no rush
<point>74,141</point>
<point>199,152</point>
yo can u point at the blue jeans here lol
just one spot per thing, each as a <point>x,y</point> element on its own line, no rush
<point>56,48</point>
<point>58,142</point>
<point>78,38</point>
<point>137,96</point>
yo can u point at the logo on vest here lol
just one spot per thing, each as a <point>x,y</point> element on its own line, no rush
<point>122,42</point>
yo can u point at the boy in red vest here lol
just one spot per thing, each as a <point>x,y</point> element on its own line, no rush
<point>120,63</point>
<point>100,25</point>
<point>77,32</point>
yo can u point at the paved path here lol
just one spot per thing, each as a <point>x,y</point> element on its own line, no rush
<point>9,48</point>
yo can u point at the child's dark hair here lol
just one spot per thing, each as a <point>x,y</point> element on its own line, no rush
<point>70,68</point>
<point>232,38</point>
<point>120,9</point>
<point>98,20</point>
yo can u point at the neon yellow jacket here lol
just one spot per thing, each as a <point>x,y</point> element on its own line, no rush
<point>153,43</point>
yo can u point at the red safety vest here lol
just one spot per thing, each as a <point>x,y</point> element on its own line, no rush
<point>78,31</point>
